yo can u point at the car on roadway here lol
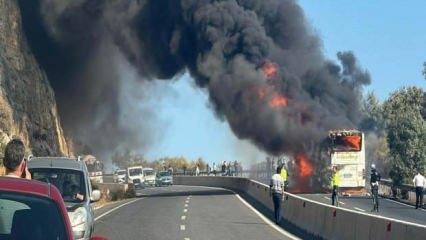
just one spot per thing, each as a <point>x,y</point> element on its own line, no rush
<point>71,177</point>
<point>33,210</point>
<point>119,176</point>
<point>149,177</point>
<point>164,178</point>
<point>135,176</point>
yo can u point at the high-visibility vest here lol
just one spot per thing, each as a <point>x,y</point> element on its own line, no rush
<point>283,174</point>
<point>335,179</point>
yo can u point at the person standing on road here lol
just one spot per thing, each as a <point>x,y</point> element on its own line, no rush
<point>335,182</point>
<point>374,182</point>
<point>277,193</point>
<point>197,171</point>
<point>420,184</point>
<point>14,160</point>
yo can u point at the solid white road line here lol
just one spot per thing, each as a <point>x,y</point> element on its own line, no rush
<point>185,210</point>
<point>265,219</point>
<point>403,204</point>
<point>112,210</point>
<point>183,217</point>
<point>359,209</point>
<point>182,227</point>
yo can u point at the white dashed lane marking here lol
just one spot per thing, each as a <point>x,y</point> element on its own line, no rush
<point>183,217</point>
<point>182,227</point>
<point>359,209</point>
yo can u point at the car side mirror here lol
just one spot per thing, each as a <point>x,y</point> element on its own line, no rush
<point>96,195</point>
<point>98,238</point>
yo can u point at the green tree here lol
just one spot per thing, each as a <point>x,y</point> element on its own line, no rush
<point>406,132</point>
<point>372,119</point>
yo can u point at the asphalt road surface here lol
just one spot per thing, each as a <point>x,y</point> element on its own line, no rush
<point>387,208</point>
<point>184,212</point>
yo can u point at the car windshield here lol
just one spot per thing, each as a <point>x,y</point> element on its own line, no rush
<point>135,172</point>
<point>164,174</point>
<point>148,172</point>
<point>121,172</point>
<point>69,182</point>
<point>25,216</point>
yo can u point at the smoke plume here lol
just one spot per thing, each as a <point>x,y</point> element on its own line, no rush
<point>224,45</point>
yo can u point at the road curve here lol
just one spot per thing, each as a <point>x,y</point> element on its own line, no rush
<point>184,212</point>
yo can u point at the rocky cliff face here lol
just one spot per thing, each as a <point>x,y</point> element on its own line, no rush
<point>27,103</point>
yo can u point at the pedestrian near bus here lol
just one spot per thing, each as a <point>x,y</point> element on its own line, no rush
<point>284,176</point>
<point>374,182</point>
<point>14,160</point>
<point>335,182</point>
<point>277,193</point>
<point>420,184</point>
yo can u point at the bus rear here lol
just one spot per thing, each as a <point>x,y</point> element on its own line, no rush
<point>347,153</point>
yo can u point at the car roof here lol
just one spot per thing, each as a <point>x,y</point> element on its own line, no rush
<point>25,186</point>
<point>56,162</point>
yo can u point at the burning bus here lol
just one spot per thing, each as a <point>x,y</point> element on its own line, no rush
<point>347,153</point>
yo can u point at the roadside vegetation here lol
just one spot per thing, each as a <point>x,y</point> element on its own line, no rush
<point>396,129</point>
<point>126,158</point>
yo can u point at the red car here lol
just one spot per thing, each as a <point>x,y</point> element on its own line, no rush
<point>32,210</point>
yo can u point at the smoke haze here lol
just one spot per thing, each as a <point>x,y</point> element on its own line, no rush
<point>222,44</point>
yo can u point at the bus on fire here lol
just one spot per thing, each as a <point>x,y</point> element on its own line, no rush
<point>347,153</point>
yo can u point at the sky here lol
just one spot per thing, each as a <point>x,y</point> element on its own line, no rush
<point>388,37</point>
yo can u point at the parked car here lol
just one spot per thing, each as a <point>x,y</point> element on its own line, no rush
<point>149,176</point>
<point>72,179</point>
<point>33,210</point>
<point>164,178</point>
<point>119,176</point>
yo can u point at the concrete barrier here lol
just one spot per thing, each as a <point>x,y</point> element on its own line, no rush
<point>318,219</point>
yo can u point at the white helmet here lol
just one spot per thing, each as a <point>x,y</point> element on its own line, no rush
<point>373,166</point>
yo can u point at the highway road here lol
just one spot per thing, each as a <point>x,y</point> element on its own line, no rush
<point>388,208</point>
<point>185,212</point>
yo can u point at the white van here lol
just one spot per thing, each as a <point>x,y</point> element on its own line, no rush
<point>135,175</point>
<point>149,176</point>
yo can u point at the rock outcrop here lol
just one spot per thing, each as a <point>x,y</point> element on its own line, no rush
<point>27,102</point>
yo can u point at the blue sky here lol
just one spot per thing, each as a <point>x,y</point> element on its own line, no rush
<point>388,37</point>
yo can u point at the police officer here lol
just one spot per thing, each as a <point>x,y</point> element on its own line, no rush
<point>335,182</point>
<point>374,182</point>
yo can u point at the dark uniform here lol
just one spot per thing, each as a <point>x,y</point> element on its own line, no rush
<point>374,182</point>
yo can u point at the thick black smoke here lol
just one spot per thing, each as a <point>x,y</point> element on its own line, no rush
<point>223,44</point>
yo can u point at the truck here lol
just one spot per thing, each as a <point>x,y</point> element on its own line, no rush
<point>95,168</point>
<point>347,155</point>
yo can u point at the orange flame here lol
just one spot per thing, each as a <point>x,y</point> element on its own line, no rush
<point>278,101</point>
<point>305,167</point>
<point>270,69</point>
<point>353,141</point>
